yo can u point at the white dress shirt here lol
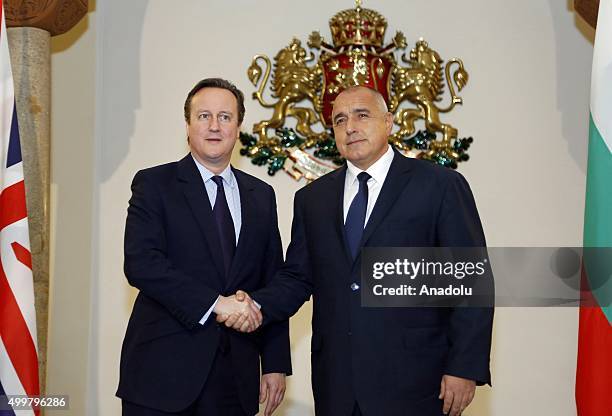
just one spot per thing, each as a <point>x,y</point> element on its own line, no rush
<point>378,172</point>
<point>232,195</point>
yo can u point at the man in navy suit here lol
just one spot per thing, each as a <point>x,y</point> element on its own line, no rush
<point>379,361</point>
<point>196,231</point>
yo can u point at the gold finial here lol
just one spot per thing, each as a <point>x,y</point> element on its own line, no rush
<point>357,4</point>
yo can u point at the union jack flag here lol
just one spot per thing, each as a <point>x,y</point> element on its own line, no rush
<point>18,350</point>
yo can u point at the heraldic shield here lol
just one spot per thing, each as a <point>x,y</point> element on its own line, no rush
<point>357,56</point>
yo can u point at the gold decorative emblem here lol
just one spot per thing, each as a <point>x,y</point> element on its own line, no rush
<point>357,56</point>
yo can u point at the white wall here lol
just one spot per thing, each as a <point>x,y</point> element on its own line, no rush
<point>72,210</point>
<point>526,105</point>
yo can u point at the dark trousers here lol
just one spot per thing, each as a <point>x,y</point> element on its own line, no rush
<point>219,397</point>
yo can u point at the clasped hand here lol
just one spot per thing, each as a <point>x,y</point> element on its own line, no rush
<point>239,312</point>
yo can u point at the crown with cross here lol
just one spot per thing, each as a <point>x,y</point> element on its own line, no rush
<point>358,26</point>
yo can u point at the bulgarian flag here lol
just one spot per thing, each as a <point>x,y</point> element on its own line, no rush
<point>594,369</point>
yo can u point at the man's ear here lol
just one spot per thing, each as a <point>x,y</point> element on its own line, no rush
<point>389,122</point>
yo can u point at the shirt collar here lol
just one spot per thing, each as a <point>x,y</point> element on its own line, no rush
<point>227,174</point>
<point>378,171</point>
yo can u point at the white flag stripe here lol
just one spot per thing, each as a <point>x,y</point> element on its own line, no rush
<point>10,380</point>
<point>12,175</point>
<point>601,76</point>
<point>6,73</point>
<point>7,99</point>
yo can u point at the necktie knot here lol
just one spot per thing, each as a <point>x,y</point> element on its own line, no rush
<point>363,178</point>
<point>218,180</point>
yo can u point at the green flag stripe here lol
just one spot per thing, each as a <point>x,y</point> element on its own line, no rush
<point>598,216</point>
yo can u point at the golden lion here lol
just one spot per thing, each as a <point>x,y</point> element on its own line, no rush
<point>293,81</point>
<point>422,84</point>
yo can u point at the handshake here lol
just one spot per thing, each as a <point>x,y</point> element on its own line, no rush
<point>239,312</point>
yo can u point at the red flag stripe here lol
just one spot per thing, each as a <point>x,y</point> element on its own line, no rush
<point>594,366</point>
<point>16,338</point>
<point>13,203</point>
<point>22,254</point>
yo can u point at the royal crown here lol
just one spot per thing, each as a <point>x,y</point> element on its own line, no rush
<point>358,26</point>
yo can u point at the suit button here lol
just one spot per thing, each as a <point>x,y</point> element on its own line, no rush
<point>354,287</point>
<point>350,333</point>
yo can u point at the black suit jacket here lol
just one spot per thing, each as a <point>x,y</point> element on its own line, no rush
<point>173,256</point>
<point>391,360</point>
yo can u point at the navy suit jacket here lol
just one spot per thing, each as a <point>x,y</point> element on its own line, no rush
<point>390,360</point>
<point>173,256</point>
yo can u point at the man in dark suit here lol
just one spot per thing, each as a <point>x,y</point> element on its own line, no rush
<point>196,231</point>
<point>379,361</point>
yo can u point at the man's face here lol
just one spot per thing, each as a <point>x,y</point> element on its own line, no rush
<point>213,127</point>
<point>361,126</point>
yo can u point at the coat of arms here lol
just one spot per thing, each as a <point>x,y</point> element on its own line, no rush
<point>304,86</point>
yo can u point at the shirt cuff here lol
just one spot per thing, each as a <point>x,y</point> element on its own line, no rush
<point>207,314</point>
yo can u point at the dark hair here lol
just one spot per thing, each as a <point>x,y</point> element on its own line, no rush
<point>215,83</point>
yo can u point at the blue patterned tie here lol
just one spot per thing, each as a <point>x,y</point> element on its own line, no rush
<point>225,225</point>
<point>355,219</point>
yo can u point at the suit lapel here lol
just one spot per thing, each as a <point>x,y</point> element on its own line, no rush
<point>397,178</point>
<point>197,198</point>
<point>249,217</point>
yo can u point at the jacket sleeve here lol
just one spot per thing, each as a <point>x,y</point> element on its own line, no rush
<point>146,264</point>
<point>470,328</point>
<point>291,286</point>
<point>276,349</point>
